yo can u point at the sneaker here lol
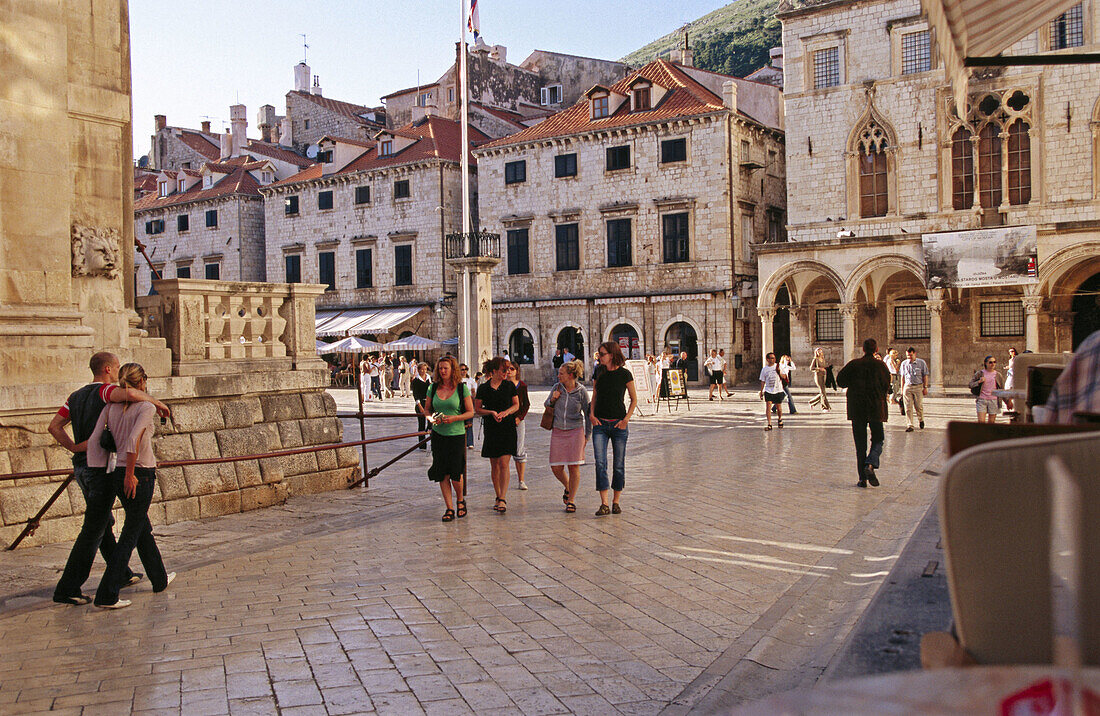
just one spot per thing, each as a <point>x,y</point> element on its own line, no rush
<point>861,483</point>
<point>522,485</point>
<point>909,429</point>
<point>76,600</point>
<point>604,510</point>
<point>120,604</point>
<point>134,579</point>
<point>615,509</point>
<point>922,425</point>
<point>171,578</point>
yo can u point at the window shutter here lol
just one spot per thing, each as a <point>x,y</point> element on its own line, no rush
<point>545,96</point>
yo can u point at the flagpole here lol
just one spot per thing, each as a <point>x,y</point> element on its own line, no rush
<point>465,164</point>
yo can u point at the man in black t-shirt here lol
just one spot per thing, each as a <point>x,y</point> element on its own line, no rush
<point>82,409</point>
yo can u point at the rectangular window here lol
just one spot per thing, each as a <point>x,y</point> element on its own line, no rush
<point>324,200</point>
<point>912,322</point>
<point>401,189</point>
<point>213,271</point>
<point>364,268</point>
<point>156,226</point>
<point>325,157</point>
<point>916,52</point>
<point>674,150</point>
<point>567,247</point>
<point>565,165</point>
<point>551,95</point>
<point>599,107</point>
<point>989,166</point>
<point>450,94</point>
<point>1068,29</point>
<point>403,265</point>
<point>183,223</point>
<point>962,169</point>
<point>515,172</point>
<point>827,324</point>
<point>674,238</point>
<point>618,242</point>
<point>293,263</point>
<point>519,257</point>
<point>212,219</point>
<point>748,235</point>
<point>290,205</point>
<point>618,158</point>
<point>826,67</point>
<point>326,263</point>
<point>1002,318</point>
<point>746,151</point>
<point>362,194</point>
<point>641,99</point>
<point>873,185</point>
<point>183,272</point>
<point>777,231</point>
<point>387,148</point>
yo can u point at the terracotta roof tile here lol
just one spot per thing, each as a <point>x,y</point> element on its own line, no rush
<point>200,143</point>
<point>685,97</point>
<point>278,152</point>
<point>347,109</point>
<point>237,182</point>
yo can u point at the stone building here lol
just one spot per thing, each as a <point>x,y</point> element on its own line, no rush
<point>961,232</point>
<point>504,98</point>
<point>368,223</point>
<point>631,216</point>
<point>177,148</point>
<point>310,115</point>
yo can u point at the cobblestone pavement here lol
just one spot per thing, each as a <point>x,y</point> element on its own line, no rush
<point>739,564</point>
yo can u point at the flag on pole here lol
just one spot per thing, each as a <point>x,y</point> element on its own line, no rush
<point>474,23</point>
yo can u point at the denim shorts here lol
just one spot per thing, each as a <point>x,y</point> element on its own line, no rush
<point>987,405</point>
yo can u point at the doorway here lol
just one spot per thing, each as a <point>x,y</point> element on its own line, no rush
<point>681,338</point>
<point>1086,309</point>
<point>627,338</point>
<point>781,324</point>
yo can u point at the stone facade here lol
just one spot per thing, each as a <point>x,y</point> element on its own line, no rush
<point>723,186</point>
<point>311,117</point>
<point>177,148</point>
<point>871,268</point>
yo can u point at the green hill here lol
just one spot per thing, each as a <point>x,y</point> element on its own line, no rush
<point>734,39</point>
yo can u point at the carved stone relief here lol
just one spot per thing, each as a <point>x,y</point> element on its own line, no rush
<point>95,251</point>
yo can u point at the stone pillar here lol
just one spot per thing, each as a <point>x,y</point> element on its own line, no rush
<point>480,296</point>
<point>1031,326</point>
<point>767,335</point>
<point>935,307</point>
<point>848,316</point>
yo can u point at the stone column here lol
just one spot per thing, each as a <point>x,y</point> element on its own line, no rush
<point>480,296</point>
<point>767,336</point>
<point>848,316</point>
<point>935,307</point>
<point>1031,318</point>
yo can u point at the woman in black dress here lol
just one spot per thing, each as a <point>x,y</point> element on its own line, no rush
<point>420,383</point>
<point>495,401</point>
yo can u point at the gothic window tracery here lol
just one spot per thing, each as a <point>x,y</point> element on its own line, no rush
<point>1000,158</point>
<point>873,190</point>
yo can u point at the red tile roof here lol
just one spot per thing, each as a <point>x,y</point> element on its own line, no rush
<point>200,143</point>
<point>347,109</point>
<point>436,138</point>
<point>514,118</point>
<point>685,98</point>
<point>278,152</point>
<point>237,182</point>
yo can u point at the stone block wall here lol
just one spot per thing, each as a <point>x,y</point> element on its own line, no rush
<point>301,109</point>
<point>200,428</point>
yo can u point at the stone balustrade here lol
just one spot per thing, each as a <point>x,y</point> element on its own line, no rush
<point>213,327</point>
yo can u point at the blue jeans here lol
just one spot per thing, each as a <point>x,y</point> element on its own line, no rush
<point>602,431</point>
<point>859,433</point>
<point>136,532</point>
<point>790,400</point>
<point>95,532</point>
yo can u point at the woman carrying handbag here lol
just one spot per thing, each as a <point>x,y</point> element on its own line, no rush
<point>568,420</point>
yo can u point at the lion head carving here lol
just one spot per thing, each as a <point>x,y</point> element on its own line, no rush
<point>95,251</point>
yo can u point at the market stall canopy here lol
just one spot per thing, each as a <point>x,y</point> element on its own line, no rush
<point>970,31</point>
<point>322,346</point>
<point>363,320</point>
<point>412,343</point>
<point>451,341</point>
<point>351,344</point>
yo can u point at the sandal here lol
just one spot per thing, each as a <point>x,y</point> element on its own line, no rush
<point>565,496</point>
<point>570,507</point>
<point>768,428</point>
<point>448,516</point>
<point>604,510</point>
<point>781,422</point>
<point>461,508</point>
<point>503,507</point>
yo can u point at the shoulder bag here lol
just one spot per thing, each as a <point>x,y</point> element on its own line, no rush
<point>547,422</point>
<point>106,438</point>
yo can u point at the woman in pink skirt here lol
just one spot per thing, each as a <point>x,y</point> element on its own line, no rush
<point>572,428</point>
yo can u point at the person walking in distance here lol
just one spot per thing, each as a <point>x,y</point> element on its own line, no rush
<point>419,385</point>
<point>771,390</point>
<point>513,374</point>
<point>82,409</point>
<point>982,385</point>
<point>131,425</point>
<point>1010,379</point>
<point>914,382</point>
<point>449,403</point>
<point>786,370</point>
<point>471,384</point>
<point>723,387</point>
<point>497,401</point>
<point>819,368</point>
<point>405,377</point>
<point>893,364</point>
<point>610,415</point>
<point>716,365</point>
<point>867,380</point>
<point>572,428</point>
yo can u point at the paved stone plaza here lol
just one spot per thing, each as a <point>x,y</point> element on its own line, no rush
<point>739,564</point>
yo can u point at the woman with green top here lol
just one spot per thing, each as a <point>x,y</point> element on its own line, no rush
<point>449,404</point>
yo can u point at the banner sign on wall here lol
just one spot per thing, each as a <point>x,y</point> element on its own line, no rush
<point>1003,256</point>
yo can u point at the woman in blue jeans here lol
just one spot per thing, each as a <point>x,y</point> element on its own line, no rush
<point>610,416</point>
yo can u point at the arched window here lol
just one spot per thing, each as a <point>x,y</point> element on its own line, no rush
<point>962,169</point>
<point>1019,163</point>
<point>627,338</point>
<point>989,166</point>
<point>521,347</point>
<point>873,190</point>
<point>571,340</point>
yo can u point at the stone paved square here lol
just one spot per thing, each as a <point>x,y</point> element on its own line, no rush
<point>736,548</point>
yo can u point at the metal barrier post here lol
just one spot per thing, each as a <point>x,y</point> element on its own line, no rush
<point>34,522</point>
<point>362,427</point>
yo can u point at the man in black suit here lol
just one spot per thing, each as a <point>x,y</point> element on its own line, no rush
<point>867,380</point>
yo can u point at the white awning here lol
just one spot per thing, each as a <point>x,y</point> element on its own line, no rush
<point>323,317</point>
<point>345,322</point>
<point>385,319</point>
<point>984,28</point>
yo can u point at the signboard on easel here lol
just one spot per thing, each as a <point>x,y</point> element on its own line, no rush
<point>677,388</point>
<point>644,384</point>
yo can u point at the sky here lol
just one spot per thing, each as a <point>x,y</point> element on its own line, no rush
<point>192,60</point>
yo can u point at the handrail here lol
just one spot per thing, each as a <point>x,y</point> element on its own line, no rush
<point>35,522</point>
